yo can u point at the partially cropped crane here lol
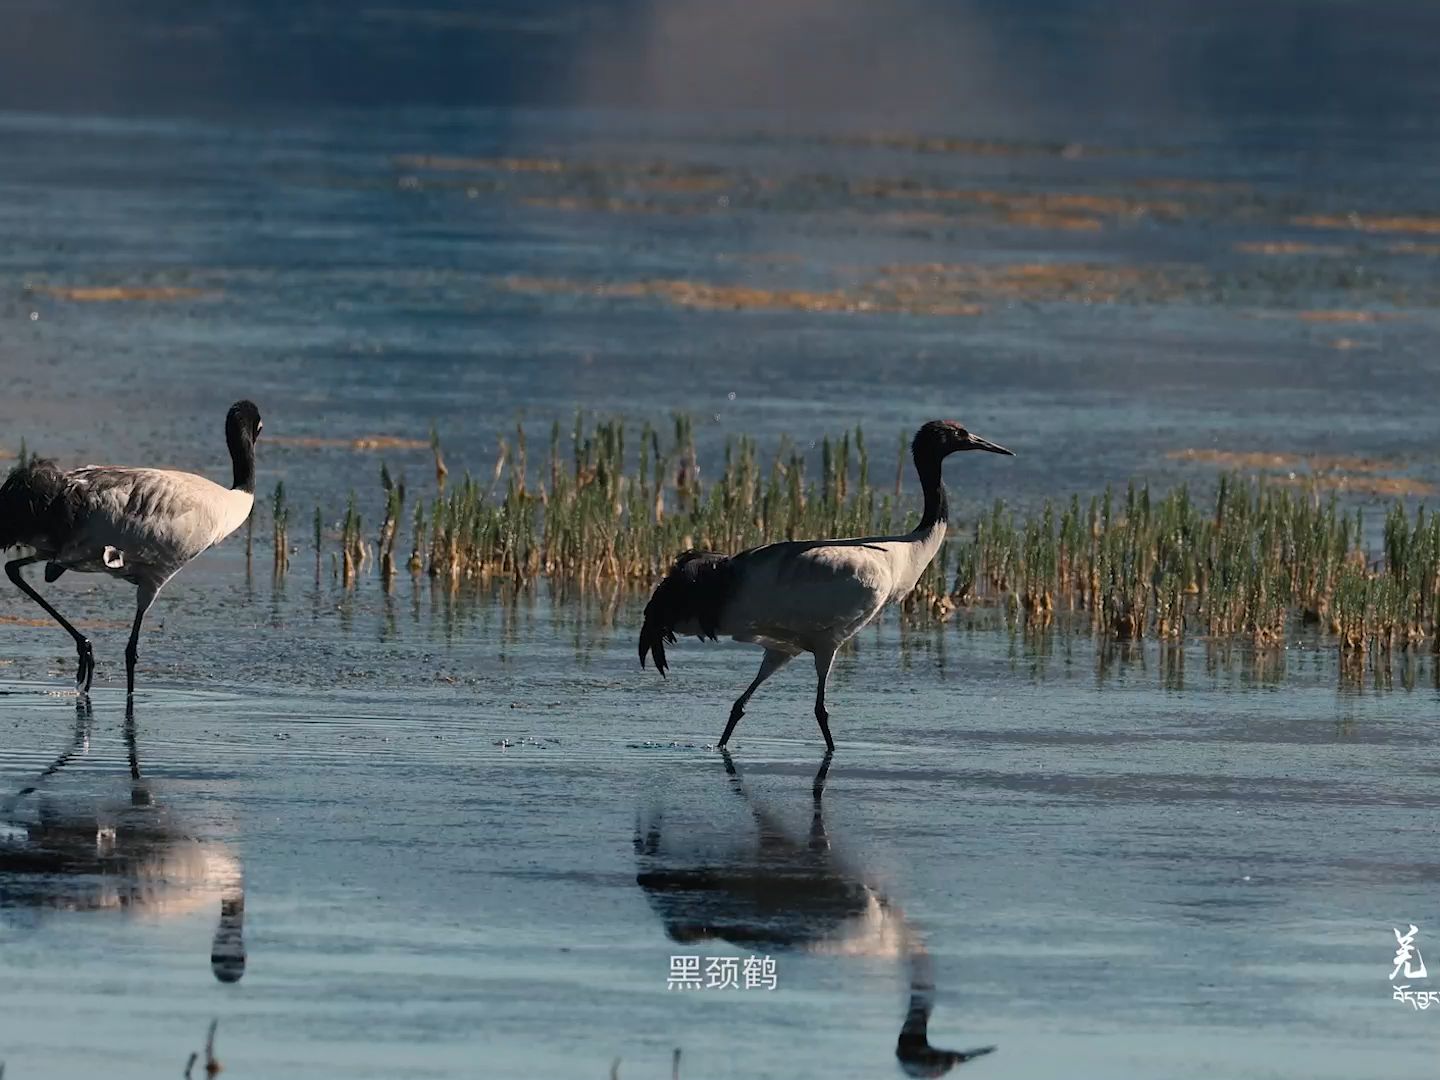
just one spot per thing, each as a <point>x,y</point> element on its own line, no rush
<point>804,595</point>
<point>140,525</point>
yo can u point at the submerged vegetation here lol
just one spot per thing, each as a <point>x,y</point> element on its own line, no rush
<point>610,506</point>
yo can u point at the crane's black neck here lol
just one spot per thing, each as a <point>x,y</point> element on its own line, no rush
<point>937,509</point>
<point>242,458</point>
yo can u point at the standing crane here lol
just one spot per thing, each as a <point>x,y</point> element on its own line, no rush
<point>804,595</point>
<point>140,525</point>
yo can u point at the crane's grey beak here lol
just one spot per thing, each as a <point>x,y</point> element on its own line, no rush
<point>977,443</point>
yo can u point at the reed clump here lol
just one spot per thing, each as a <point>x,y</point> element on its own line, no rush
<point>354,551</point>
<point>610,505</point>
<point>390,526</point>
<point>1257,561</point>
<point>280,518</point>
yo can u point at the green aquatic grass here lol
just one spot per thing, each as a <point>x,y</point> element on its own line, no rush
<point>280,520</point>
<point>609,505</point>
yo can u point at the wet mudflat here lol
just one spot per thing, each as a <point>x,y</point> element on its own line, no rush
<point>476,853</point>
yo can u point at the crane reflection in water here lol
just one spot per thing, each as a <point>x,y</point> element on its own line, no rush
<point>777,893</point>
<point>116,849</point>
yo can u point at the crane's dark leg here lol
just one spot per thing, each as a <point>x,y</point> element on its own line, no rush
<point>774,660</point>
<point>86,670</point>
<point>823,660</point>
<point>144,597</point>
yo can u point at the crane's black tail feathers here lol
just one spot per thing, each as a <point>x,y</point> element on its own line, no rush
<point>694,592</point>
<point>35,507</point>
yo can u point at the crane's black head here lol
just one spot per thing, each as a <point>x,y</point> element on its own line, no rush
<point>242,428</point>
<point>243,420</point>
<point>940,438</point>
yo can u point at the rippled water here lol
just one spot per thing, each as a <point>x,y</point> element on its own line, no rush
<point>472,844</point>
<point>434,835</point>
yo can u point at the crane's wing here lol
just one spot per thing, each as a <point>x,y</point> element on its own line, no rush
<point>807,589</point>
<point>149,517</point>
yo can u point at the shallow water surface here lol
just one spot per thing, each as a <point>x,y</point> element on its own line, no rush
<point>476,853</point>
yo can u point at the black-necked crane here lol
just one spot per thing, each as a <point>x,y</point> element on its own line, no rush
<point>140,525</point>
<point>805,595</point>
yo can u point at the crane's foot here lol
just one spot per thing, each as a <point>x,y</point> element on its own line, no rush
<point>85,669</point>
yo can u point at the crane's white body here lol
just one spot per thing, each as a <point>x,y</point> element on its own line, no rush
<point>813,596</point>
<point>144,525</point>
